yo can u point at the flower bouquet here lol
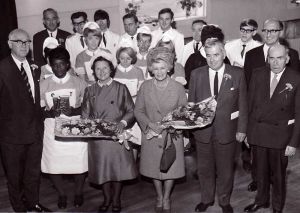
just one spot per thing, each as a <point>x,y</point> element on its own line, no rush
<point>90,128</point>
<point>190,116</point>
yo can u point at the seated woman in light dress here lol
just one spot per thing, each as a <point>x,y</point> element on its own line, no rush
<point>110,163</point>
<point>62,93</point>
<point>156,98</point>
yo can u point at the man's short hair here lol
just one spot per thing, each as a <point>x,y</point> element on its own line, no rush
<point>166,10</point>
<point>211,31</point>
<point>50,10</point>
<point>140,35</point>
<point>199,21</point>
<point>103,15</point>
<point>280,23</point>
<point>131,15</point>
<point>214,42</point>
<point>78,15</point>
<point>249,22</point>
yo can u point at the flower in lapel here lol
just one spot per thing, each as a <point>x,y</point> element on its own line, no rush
<point>34,67</point>
<point>288,88</point>
<point>61,40</point>
<point>227,76</point>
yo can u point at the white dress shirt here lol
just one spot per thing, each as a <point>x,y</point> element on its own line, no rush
<point>74,47</point>
<point>112,40</point>
<point>277,77</point>
<point>212,74</point>
<point>28,72</point>
<point>234,48</point>
<point>177,39</point>
<point>54,33</point>
<point>188,50</point>
<point>127,39</point>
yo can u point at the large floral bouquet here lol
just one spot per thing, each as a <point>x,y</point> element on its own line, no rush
<point>90,128</point>
<point>190,116</point>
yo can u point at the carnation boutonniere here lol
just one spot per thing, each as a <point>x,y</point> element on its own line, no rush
<point>34,67</point>
<point>288,88</point>
<point>61,40</point>
<point>227,76</point>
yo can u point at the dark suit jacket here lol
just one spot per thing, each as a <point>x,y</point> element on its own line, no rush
<point>269,118</point>
<point>255,58</point>
<point>20,117</point>
<point>232,97</point>
<point>38,41</point>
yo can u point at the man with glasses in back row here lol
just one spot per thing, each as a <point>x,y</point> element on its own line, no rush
<point>21,125</point>
<point>255,58</point>
<point>75,43</point>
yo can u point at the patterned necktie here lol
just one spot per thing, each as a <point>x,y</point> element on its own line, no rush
<point>81,41</point>
<point>196,47</point>
<point>216,86</point>
<point>274,83</point>
<point>243,50</point>
<point>104,39</point>
<point>25,79</point>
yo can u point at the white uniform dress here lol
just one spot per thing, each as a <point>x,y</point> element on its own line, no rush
<point>60,157</point>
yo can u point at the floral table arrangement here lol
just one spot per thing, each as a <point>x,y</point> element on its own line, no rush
<point>89,129</point>
<point>190,116</point>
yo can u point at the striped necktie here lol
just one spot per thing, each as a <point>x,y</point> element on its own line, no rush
<point>25,79</point>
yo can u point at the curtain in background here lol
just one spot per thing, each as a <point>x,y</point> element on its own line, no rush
<point>8,22</point>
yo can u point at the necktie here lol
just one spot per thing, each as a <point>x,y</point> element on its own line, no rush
<point>216,86</point>
<point>196,47</point>
<point>274,83</point>
<point>25,79</point>
<point>243,50</point>
<point>132,37</point>
<point>104,39</point>
<point>81,41</point>
<point>51,35</point>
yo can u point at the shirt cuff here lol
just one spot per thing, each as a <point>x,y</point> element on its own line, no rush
<point>124,122</point>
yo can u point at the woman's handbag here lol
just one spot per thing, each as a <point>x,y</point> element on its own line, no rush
<point>169,154</point>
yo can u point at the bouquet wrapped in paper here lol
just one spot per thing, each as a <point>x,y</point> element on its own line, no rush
<point>90,128</point>
<point>190,116</point>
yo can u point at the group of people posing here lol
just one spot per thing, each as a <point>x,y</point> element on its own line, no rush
<point>134,80</point>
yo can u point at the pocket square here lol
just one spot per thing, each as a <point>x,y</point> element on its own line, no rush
<point>234,115</point>
<point>232,88</point>
<point>291,121</point>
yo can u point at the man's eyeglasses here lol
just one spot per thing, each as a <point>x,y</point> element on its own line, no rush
<point>270,31</point>
<point>79,23</point>
<point>246,30</point>
<point>20,42</point>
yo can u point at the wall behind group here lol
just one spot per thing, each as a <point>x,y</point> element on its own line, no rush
<point>227,14</point>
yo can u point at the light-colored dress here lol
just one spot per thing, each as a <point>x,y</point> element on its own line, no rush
<point>152,105</point>
<point>62,157</point>
<point>109,160</point>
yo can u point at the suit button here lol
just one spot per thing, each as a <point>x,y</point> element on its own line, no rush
<point>259,121</point>
<point>276,124</point>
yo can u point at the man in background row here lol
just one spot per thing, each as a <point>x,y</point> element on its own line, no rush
<point>131,24</point>
<point>165,19</point>
<point>51,23</point>
<point>75,43</point>
<point>236,49</point>
<point>110,39</point>
<point>194,45</point>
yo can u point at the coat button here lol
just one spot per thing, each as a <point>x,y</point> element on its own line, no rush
<point>259,121</point>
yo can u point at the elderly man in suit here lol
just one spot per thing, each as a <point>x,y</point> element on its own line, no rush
<point>215,144</point>
<point>21,125</point>
<point>273,130</point>
<point>257,57</point>
<point>51,23</point>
